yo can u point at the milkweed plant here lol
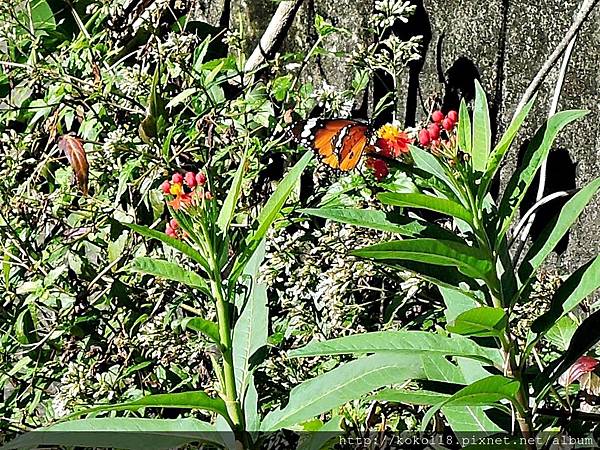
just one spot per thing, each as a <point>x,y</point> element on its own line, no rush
<point>474,262</point>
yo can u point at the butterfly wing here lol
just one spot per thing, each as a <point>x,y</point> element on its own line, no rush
<point>352,146</point>
<point>333,138</point>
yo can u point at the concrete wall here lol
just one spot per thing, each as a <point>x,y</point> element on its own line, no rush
<point>504,43</point>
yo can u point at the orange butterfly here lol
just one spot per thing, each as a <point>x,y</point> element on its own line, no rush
<point>339,142</point>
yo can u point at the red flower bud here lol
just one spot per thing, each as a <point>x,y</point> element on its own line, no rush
<point>170,231</point>
<point>173,223</point>
<point>448,124</point>
<point>200,178</point>
<point>453,116</point>
<point>190,179</point>
<point>437,116</point>
<point>434,131</point>
<point>380,168</point>
<point>424,139</point>
<point>166,187</point>
<point>208,195</point>
<point>177,178</point>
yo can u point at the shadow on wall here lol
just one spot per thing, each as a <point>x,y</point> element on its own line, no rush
<point>383,83</point>
<point>560,176</point>
<point>459,82</point>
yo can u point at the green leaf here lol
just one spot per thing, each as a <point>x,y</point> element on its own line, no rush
<point>228,209</point>
<point>168,270</point>
<point>562,332</point>
<point>123,433</point>
<point>251,328</point>
<point>181,400</point>
<point>555,230</point>
<point>181,97</point>
<point>482,135</point>
<point>438,368</point>
<point>42,17</point>
<point>585,337</point>
<point>171,242</point>
<point>281,86</point>
<point>319,438</point>
<point>483,392</point>
<point>456,302</point>
<point>536,153</point>
<point>378,220</point>
<point>469,419</point>
<point>206,327</point>
<point>430,164</point>
<point>449,278</point>
<point>500,150</point>
<point>482,321</point>
<point>271,210</point>
<point>250,408</point>
<point>428,202</point>
<point>340,385</point>
<point>470,261</point>
<point>571,293</point>
<point>464,128</point>
<point>399,342</point>
<point>419,397</point>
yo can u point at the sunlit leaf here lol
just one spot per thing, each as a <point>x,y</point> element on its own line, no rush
<point>482,321</point>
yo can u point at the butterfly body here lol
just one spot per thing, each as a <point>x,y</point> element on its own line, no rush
<point>340,142</point>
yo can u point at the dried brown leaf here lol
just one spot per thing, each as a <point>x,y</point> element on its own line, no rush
<point>73,148</point>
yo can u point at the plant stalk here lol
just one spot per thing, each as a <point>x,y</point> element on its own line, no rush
<point>228,373</point>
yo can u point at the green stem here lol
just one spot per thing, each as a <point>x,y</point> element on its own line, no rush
<point>511,367</point>
<point>223,319</point>
<point>227,372</point>
<point>513,370</point>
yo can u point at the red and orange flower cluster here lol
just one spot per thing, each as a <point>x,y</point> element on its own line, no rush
<point>391,143</point>
<point>194,181</point>
<point>183,191</point>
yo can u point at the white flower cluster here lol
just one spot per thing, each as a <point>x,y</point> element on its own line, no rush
<point>334,100</point>
<point>388,11</point>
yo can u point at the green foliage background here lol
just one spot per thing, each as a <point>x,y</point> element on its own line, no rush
<point>77,328</point>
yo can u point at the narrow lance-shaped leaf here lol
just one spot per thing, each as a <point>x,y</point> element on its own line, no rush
<point>482,135</point>
<point>501,148</point>
<point>450,277</point>
<point>470,261</point>
<point>464,128</point>
<point>251,328</point>
<point>556,230</point>
<point>73,149</point>
<point>480,393</point>
<point>169,271</point>
<point>428,202</point>
<point>120,432</point>
<point>340,385</point>
<point>206,327</point>
<point>473,419</point>
<point>271,210</point>
<point>171,242</point>
<point>409,342</point>
<point>420,397</point>
<point>536,153</point>
<point>378,220</point>
<point>482,321</point>
<point>583,282</point>
<point>228,209</point>
<point>182,400</point>
<point>429,163</point>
